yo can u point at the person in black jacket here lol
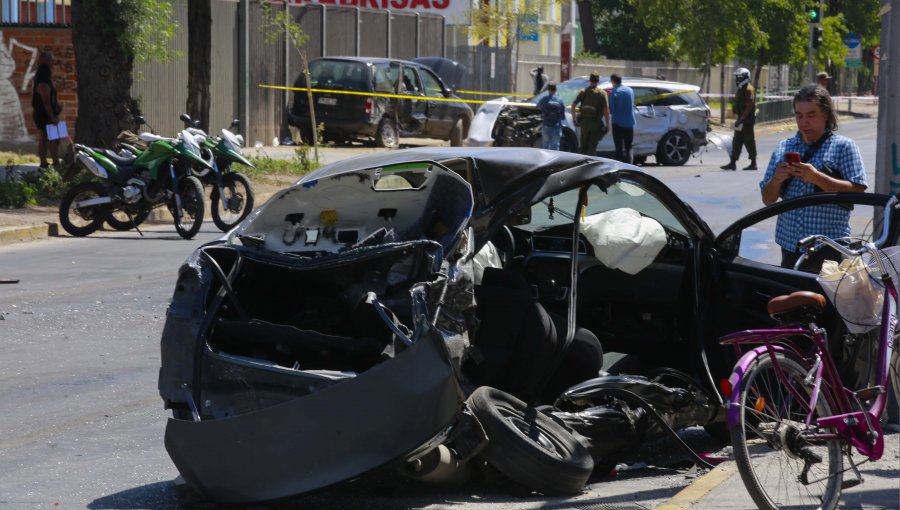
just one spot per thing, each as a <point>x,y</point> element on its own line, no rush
<point>46,108</point>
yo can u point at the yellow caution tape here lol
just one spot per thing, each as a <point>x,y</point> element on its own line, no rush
<point>492,93</point>
<point>377,94</point>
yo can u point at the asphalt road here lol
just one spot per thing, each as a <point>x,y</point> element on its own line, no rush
<point>82,423</point>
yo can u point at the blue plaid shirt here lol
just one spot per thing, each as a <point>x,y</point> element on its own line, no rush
<point>841,154</point>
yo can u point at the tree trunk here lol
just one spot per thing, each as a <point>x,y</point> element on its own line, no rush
<point>589,36</point>
<point>104,66</point>
<point>199,41</point>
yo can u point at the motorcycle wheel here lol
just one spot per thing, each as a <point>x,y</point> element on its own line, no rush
<point>82,221</point>
<point>118,219</point>
<point>238,195</point>
<point>189,220</point>
<point>528,446</point>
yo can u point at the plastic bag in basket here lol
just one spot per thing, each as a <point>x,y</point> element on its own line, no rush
<point>854,295</point>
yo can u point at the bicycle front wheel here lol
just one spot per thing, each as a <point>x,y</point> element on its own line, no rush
<point>781,460</point>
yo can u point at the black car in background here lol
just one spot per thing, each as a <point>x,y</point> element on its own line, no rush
<point>364,114</point>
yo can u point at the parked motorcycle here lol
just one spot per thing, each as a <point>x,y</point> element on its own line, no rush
<point>133,185</point>
<point>231,198</point>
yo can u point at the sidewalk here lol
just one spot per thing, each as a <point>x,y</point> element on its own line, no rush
<point>723,489</point>
<point>38,222</point>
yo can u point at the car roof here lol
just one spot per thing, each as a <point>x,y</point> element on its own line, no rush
<point>370,60</point>
<point>647,82</point>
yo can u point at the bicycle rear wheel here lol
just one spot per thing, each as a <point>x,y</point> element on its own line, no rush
<point>781,464</point>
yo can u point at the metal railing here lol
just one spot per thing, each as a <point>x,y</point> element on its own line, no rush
<point>36,12</point>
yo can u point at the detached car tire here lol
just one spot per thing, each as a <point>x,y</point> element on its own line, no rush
<point>386,134</point>
<point>528,446</point>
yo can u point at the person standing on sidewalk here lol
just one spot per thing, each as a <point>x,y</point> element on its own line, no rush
<point>621,107</point>
<point>745,109</point>
<point>46,108</point>
<point>592,116</point>
<point>553,111</point>
<point>827,162</point>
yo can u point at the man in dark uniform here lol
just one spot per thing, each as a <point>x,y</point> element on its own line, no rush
<point>592,117</point>
<point>745,109</point>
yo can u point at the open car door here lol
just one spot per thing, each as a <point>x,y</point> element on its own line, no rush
<point>746,272</point>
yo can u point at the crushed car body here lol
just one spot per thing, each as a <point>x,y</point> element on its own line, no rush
<point>672,121</point>
<point>394,303</point>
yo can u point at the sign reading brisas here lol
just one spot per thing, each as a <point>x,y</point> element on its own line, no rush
<point>456,11</point>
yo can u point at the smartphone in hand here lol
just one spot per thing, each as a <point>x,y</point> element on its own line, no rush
<point>791,157</point>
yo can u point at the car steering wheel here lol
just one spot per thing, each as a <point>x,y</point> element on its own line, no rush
<point>510,252</point>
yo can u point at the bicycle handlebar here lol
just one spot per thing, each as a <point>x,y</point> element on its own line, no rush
<point>812,241</point>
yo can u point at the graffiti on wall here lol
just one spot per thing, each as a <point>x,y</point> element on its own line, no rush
<point>12,119</point>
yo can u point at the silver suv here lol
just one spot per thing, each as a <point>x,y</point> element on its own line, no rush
<point>672,121</point>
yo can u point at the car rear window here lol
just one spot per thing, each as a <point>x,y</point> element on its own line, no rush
<point>339,74</point>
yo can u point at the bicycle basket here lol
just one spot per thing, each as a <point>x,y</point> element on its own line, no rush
<point>854,293</point>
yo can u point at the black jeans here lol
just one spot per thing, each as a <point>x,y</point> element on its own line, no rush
<point>744,138</point>
<point>623,138</point>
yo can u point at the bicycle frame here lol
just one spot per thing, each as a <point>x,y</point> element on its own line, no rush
<point>861,428</point>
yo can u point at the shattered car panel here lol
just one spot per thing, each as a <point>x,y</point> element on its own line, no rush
<point>672,121</point>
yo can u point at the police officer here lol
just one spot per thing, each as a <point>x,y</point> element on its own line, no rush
<point>745,110</point>
<point>593,116</point>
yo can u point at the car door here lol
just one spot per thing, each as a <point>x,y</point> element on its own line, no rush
<point>744,265</point>
<point>440,118</point>
<point>412,113</point>
<point>652,121</point>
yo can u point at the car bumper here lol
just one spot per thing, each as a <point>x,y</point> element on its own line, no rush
<point>345,127</point>
<point>327,437</point>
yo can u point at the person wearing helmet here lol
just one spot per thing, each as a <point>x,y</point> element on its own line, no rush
<point>745,110</point>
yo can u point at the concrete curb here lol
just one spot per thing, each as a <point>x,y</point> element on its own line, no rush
<point>691,494</point>
<point>9,235</point>
<point>158,216</point>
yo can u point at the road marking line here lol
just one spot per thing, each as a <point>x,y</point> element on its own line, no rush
<point>693,492</point>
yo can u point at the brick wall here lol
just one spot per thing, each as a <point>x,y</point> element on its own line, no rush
<point>19,48</point>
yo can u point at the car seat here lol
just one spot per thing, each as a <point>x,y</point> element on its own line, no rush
<point>520,342</point>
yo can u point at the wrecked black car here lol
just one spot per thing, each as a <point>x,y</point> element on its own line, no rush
<point>538,310</point>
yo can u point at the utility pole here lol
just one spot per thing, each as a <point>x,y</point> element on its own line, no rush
<point>887,159</point>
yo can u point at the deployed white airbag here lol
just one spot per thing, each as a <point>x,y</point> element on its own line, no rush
<point>623,239</point>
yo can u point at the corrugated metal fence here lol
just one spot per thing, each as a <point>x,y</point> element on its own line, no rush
<point>237,74</point>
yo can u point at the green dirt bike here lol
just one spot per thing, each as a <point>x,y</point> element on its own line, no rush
<point>132,185</point>
<point>231,199</point>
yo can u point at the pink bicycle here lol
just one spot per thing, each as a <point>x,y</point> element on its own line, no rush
<point>792,421</point>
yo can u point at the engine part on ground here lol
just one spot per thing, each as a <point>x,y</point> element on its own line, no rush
<point>441,466</point>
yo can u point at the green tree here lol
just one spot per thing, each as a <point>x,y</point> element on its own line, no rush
<point>702,32</point>
<point>199,62</point>
<point>276,24</point>
<point>507,22</point>
<point>621,33</point>
<point>109,38</point>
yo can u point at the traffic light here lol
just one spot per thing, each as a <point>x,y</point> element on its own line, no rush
<point>817,37</point>
<point>814,12</point>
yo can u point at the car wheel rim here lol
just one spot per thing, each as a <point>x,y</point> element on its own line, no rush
<point>676,148</point>
<point>388,135</point>
<point>532,430</point>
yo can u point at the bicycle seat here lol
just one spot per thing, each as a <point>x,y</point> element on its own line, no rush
<point>800,306</point>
